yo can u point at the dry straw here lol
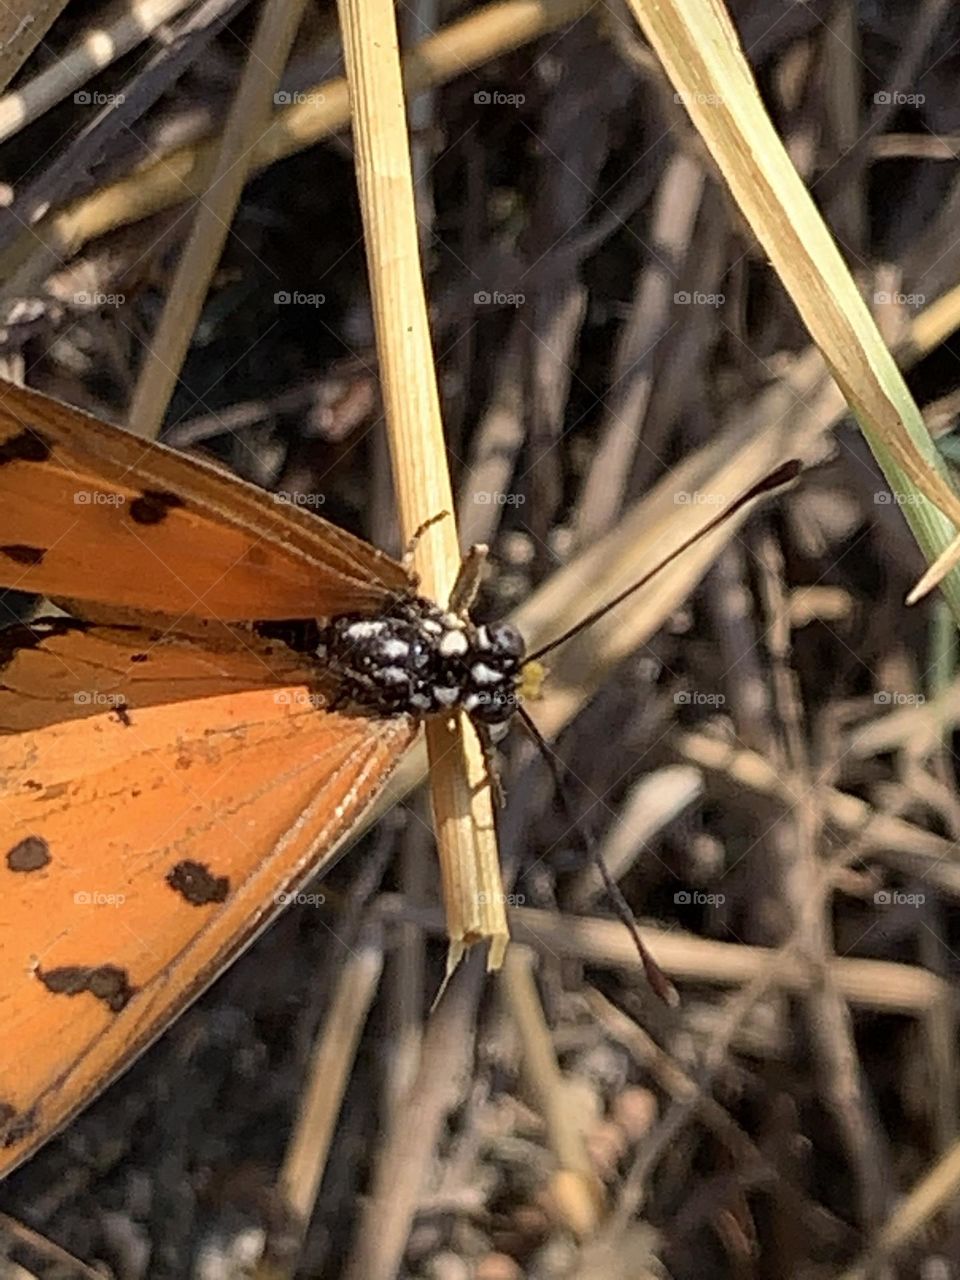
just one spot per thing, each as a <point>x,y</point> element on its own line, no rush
<point>324,109</point>
<point>463,815</point>
<point>699,50</point>
<point>249,116</point>
<point>23,24</point>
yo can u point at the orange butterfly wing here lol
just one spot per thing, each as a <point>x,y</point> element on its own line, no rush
<point>148,839</point>
<point>162,786</point>
<point>89,512</point>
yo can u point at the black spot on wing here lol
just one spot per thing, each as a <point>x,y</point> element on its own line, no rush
<point>122,712</point>
<point>20,553</point>
<point>27,446</point>
<point>153,506</point>
<point>30,854</point>
<point>139,657</point>
<point>15,1125</point>
<point>197,883</point>
<point>106,982</point>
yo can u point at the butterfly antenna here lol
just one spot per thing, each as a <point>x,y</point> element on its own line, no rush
<point>658,980</point>
<point>775,480</point>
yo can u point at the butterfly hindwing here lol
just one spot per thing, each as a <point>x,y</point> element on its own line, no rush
<point>148,838</point>
<point>90,512</point>
<point>60,668</point>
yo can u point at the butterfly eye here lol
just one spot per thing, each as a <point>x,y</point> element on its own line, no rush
<point>502,640</point>
<point>492,709</point>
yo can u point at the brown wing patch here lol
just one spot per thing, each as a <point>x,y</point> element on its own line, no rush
<point>104,982</point>
<point>24,446</point>
<point>253,787</point>
<point>15,1126</point>
<point>197,884</point>
<point>153,506</point>
<point>23,555</point>
<point>29,854</point>
<point>120,521</point>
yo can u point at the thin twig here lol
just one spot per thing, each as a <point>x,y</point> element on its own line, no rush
<point>248,119</point>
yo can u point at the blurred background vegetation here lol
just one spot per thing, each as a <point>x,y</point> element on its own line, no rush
<point>769,765</point>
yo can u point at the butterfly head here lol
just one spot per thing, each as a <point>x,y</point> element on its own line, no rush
<point>493,673</point>
<point>418,659</point>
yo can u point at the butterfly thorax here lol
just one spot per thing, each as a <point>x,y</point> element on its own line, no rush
<point>417,659</point>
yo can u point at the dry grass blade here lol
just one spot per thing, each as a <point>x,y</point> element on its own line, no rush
<point>95,50</point>
<point>246,122</point>
<point>933,1194</point>
<point>488,33</point>
<point>576,1188</point>
<point>887,838</point>
<point>405,1156</point>
<point>23,24</point>
<point>868,984</point>
<point>326,1081</point>
<point>699,49</point>
<point>46,1252</point>
<point>463,814</point>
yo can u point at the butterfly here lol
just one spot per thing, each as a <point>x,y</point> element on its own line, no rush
<point>160,755</point>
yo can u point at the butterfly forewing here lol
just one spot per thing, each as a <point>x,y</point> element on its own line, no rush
<point>165,780</point>
<point>147,843</point>
<point>89,512</point>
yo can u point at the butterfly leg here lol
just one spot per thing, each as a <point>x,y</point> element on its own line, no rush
<point>468,579</point>
<point>418,534</point>
<point>491,763</point>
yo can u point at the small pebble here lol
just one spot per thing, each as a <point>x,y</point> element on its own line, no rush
<point>446,1266</point>
<point>497,1266</point>
<point>635,1111</point>
<point>606,1144</point>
